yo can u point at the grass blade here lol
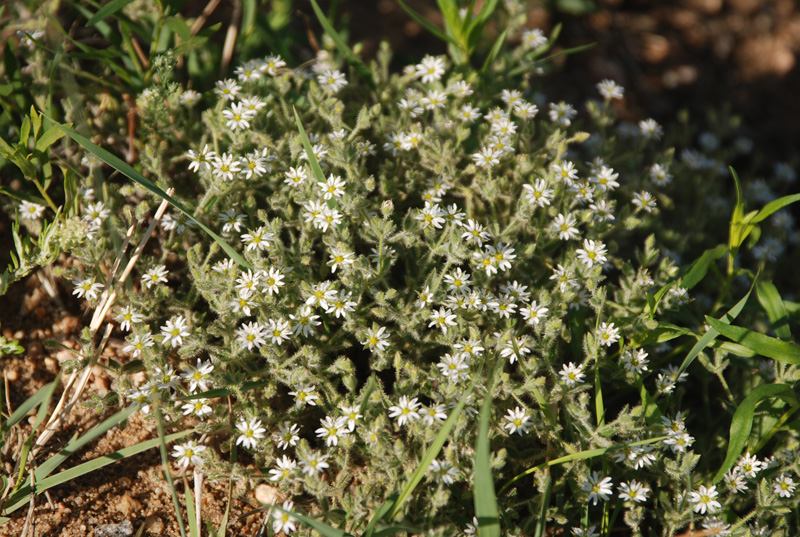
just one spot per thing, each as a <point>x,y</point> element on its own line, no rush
<point>699,268</point>
<point>359,66</point>
<point>484,495</point>
<point>321,527</point>
<point>425,23</point>
<point>773,207</point>
<point>107,10</point>
<point>711,334</point>
<point>498,44</point>
<point>316,169</point>
<point>781,351</point>
<point>23,409</point>
<point>770,299</point>
<point>432,453</point>
<point>137,177</point>
<point>581,455</point>
<point>742,422</point>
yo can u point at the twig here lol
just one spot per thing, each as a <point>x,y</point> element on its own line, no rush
<point>201,20</point>
<point>230,38</point>
<point>198,497</point>
<point>29,518</point>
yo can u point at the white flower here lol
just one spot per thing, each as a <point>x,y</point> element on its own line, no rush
<point>199,407</point>
<point>198,376</point>
<point>283,521</point>
<point>271,65</point>
<point>321,293</point>
<point>30,211</point>
<point>610,90</point>
<point>538,194</point>
<point>87,288</point>
<point>634,361</point>
<point>314,463</point>
<point>534,313</point>
<point>454,367</point>
<point>273,281</point>
<point>598,489</point>
<point>442,319</point>
<point>430,69</point>
<point>278,331</point>
<point>352,415</point>
<point>225,167</point>
<point>237,117</point>
<point>232,221</point>
<point>227,89</point>
<point>704,500</point>
<point>306,395</point>
<point>633,491</point>
<point>749,465</point>
<point>332,188</point>
<point>607,334</point>
<point>517,421</point>
<point>251,433</point>
<point>565,227</point>
<point>405,411</point>
<point>96,213</point>
<point>443,472</point>
<point>296,176</point>
<point>431,215</point>
<point>333,428</point>
<point>258,239</point>
<point>340,257</point>
<point>377,339</point>
<point>433,414</point>
<point>188,453</point>
<point>605,179</point>
<point>562,113</point>
<point>285,469</point>
<point>174,332</point>
<point>783,486</point>
<point>644,201</point>
<point>138,344</point>
<point>593,252</point>
<point>201,159</point>
<point>572,375</point>
<point>251,335</point>
<point>127,316</point>
<point>341,305</point>
<point>154,276</point>
<point>533,38</point>
<point>487,157</point>
<point>304,322</point>
<point>286,435</point>
<point>650,129</point>
<point>332,81</point>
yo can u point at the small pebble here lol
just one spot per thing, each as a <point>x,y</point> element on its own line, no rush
<point>154,525</point>
<point>12,375</point>
<point>124,529</point>
<point>266,494</point>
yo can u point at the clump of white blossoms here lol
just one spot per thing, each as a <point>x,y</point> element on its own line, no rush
<point>418,234</point>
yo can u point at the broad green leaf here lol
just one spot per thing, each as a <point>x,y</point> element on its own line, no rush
<point>781,351</point>
<point>428,25</point>
<point>709,336</point>
<point>742,422</point>
<point>432,453</point>
<point>483,492</point>
<point>578,456</point>
<point>699,268</point>
<point>359,66</point>
<point>107,10</point>
<point>51,136</point>
<point>137,177</point>
<point>770,299</point>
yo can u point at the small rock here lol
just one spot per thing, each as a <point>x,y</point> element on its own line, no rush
<point>266,494</point>
<point>154,525</point>
<point>127,505</point>
<point>12,375</point>
<point>124,529</point>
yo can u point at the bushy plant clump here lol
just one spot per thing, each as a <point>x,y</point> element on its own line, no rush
<point>448,235</point>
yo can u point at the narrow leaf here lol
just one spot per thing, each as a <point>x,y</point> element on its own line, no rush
<point>483,494</point>
<point>699,268</point>
<point>498,44</point>
<point>773,207</point>
<point>137,177</point>
<point>107,10</point>
<point>321,527</point>
<point>781,351</point>
<point>432,452</point>
<point>770,299</point>
<point>428,25</point>
<point>742,422</point>
<point>23,409</point>
<point>709,336</point>
<point>51,136</point>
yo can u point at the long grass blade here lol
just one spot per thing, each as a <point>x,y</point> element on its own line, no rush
<point>107,10</point>
<point>137,177</point>
<point>781,351</point>
<point>483,494</point>
<point>742,422</point>
<point>428,25</point>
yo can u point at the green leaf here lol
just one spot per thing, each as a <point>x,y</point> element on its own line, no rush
<point>23,409</point>
<point>428,25</point>
<point>483,494</point>
<point>50,136</point>
<point>319,175</point>
<point>770,300</point>
<point>432,453</point>
<point>781,351</point>
<point>498,44</point>
<point>580,455</point>
<point>137,177</point>
<point>359,66</point>
<point>709,336</point>
<point>742,422</point>
<point>771,208</point>
<point>699,268</point>
<point>107,10</point>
